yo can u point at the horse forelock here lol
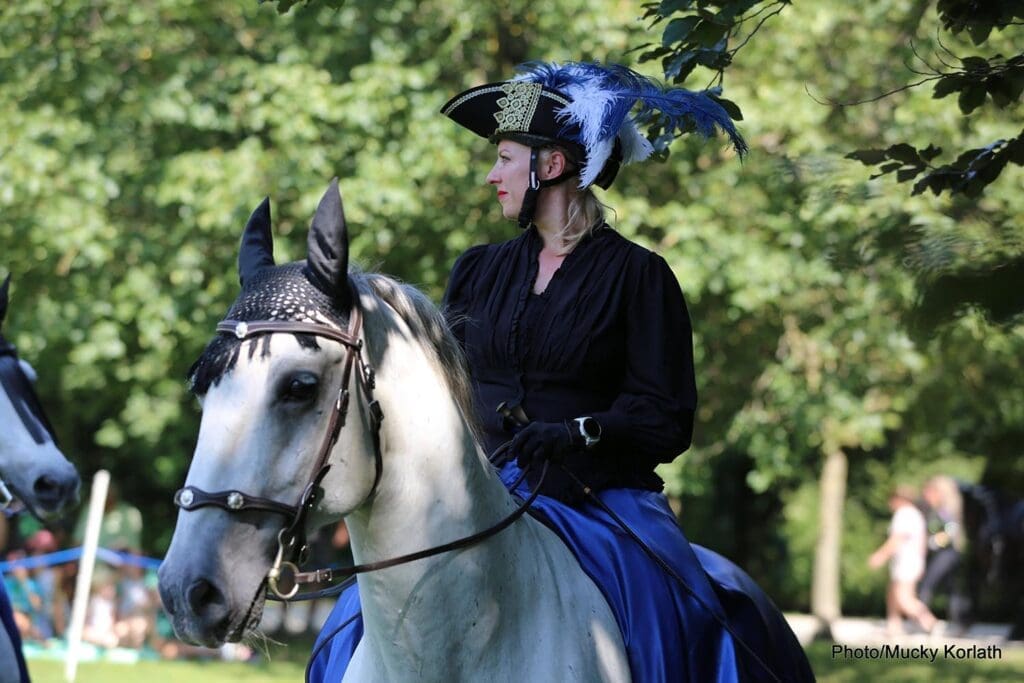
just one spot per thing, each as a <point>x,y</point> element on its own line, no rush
<point>286,293</point>
<point>277,293</point>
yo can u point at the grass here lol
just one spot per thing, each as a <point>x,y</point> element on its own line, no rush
<point>170,672</point>
<point>285,668</point>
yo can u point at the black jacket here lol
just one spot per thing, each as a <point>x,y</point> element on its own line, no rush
<point>609,338</point>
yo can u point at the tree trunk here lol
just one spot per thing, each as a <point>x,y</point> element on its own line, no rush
<point>825,593</point>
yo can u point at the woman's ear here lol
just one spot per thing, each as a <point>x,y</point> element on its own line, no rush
<point>553,164</point>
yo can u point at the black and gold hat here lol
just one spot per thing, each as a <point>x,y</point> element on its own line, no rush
<point>586,107</point>
<point>515,110</point>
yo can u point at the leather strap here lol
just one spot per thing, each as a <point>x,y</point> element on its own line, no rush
<point>192,498</point>
<point>332,574</point>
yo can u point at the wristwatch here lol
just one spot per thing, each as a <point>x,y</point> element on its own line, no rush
<point>589,430</point>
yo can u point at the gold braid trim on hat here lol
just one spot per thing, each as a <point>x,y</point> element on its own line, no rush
<point>516,109</point>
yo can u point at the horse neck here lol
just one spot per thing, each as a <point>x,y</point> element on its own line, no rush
<point>436,487</point>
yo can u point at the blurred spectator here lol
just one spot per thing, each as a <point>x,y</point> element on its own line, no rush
<point>26,600</point>
<point>904,549</point>
<point>101,613</point>
<point>945,545</point>
<point>48,579</point>
<point>135,608</point>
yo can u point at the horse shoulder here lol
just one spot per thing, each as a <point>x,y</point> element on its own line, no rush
<point>567,628</point>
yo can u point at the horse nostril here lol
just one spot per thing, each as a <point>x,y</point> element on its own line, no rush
<point>53,490</point>
<point>203,597</point>
<point>47,487</point>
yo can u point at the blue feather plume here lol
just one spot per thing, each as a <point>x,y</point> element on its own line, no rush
<point>622,89</point>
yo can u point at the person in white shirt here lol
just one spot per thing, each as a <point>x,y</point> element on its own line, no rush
<point>904,549</point>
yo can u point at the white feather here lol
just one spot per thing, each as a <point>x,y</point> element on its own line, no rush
<point>597,155</point>
<point>591,101</point>
<point>635,147</point>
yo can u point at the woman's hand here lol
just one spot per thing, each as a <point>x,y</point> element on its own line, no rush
<point>540,441</point>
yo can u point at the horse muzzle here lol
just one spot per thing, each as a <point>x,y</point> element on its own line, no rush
<point>201,609</point>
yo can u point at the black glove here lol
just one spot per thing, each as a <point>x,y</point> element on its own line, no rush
<point>540,441</point>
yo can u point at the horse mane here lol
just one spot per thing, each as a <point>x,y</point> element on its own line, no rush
<point>302,301</point>
<point>427,323</point>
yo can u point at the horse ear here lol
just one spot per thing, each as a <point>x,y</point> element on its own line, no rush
<point>257,251</point>
<point>327,248</point>
<point>3,297</point>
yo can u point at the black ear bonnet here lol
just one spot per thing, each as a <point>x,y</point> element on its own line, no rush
<point>17,386</point>
<point>315,290</point>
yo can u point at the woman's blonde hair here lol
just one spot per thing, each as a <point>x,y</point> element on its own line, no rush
<point>586,211</point>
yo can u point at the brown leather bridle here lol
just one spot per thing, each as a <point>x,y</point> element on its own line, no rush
<point>284,577</point>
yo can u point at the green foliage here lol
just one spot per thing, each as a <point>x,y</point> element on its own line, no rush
<point>701,37</point>
<point>973,78</point>
<point>284,5</point>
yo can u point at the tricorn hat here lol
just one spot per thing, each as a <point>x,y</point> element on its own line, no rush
<point>586,107</point>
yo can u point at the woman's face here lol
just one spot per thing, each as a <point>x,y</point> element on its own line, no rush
<point>510,176</point>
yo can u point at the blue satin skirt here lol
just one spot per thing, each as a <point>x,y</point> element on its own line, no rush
<point>672,633</point>
<point>7,621</point>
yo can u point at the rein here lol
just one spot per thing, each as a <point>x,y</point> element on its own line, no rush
<point>330,574</point>
<point>284,577</point>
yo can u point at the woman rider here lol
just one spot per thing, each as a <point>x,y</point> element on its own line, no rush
<point>579,346</point>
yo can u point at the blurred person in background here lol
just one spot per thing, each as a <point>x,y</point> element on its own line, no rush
<point>26,599</point>
<point>136,607</point>
<point>101,613</point>
<point>904,550</point>
<point>946,541</point>
<point>48,579</point>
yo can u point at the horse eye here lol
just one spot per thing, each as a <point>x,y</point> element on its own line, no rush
<point>301,386</point>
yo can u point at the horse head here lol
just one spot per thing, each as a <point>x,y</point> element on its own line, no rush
<point>30,461</point>
<point>266,400</point>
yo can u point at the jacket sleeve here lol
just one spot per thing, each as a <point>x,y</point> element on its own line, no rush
<point>458,294</point>
<point>653,414</point>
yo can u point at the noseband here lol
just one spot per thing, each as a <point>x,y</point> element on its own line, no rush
<point>284,576</point>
